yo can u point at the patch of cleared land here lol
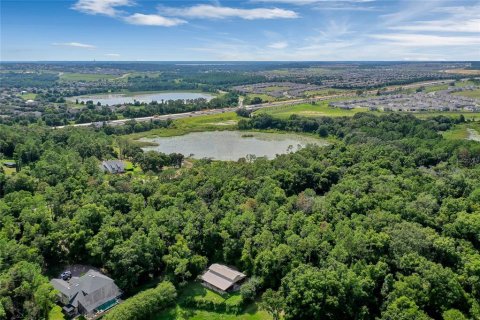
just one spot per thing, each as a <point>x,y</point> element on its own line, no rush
<point>197,291</point>
<point>464,71</point>
<point>310,110</point>
<point>264,97</point>
<point>28,96</point>
<point>471,94</point>
<point>86,77</point>
<point>463,131</point>
<point>8,171</point>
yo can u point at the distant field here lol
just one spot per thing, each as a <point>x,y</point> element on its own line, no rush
<point>323,110</point>
<point>28,96</point>
<point>264,97</point>
<point>324,92</point>
<point>463,71</point>
<point>86,77</point>
<point>310,110</point>
<point>471,94</point>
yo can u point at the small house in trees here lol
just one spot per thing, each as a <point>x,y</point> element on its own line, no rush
<point>222,279</point>
<point>113,166</point>
<point>9,164</point>
<point>89,294</point>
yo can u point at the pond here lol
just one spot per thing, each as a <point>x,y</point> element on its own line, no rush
<point>231,145</point>
<point>121,98</point>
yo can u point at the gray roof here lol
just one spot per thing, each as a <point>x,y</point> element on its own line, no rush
<point>113,166</point>
<point>90,290</point>
<point>221,276</point>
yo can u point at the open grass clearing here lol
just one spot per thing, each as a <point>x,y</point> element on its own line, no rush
<point>462,131</point>
<point>264,97</point>
<point>28,96</point>
<point>194,291</point>
<point>320,109</point>
<point>471,94</point>
<point>86,77</point>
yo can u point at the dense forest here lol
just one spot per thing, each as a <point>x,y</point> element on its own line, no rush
<point>382,224</point>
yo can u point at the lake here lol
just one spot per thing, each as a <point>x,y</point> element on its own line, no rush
<point>121,98</point>
<point>232,145</point>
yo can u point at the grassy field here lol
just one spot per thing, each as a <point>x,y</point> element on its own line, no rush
<point>28,96</point>
<point>324,92</point>
<point>471,94</point>
<point>323,110</point>
<point>8,171</point>
<point>310,110</point>
<point>460,131</point>
<point>264,97</point>
<point>196,290</point>
<point>86,77</point>
<point>224,121</point>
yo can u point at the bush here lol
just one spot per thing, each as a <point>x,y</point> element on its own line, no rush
<point>145,304</point>
<point>249,289</point>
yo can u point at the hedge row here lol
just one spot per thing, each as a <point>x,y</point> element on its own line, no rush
<point>145,304</point>
<point>233,304</point>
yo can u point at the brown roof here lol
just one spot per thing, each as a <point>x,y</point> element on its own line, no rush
<point>221,276</point>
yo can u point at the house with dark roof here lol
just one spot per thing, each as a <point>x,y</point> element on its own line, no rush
<point>222,279</point>
<point>9,164</point>
<point>91,293</point>
<point>113,166</point>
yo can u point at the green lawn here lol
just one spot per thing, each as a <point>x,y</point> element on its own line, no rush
<point>86,77</point>
<point>196,290</point>
<point>250,313</point>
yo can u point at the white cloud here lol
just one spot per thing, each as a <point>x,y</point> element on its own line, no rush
<point>278,45</point>
<point>113,55</point>
<point>75,45</point>
<point>153,20</point>
<point>105,7</point>
<point>206,11</point>
<point>306,2</point>
<point>424,40</point>
<point>471,25</point>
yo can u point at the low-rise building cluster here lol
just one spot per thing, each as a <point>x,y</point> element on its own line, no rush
<point>434,101</point>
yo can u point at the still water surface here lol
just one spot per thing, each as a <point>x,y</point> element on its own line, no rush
<point>232,145</point>
<point>120,98</point>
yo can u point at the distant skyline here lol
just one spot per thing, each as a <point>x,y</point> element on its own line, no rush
<point>251,30</point>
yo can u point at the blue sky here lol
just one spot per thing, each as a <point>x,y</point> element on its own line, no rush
<point>324,30</point>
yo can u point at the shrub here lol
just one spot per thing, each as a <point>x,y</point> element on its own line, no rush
<point>145,304</point>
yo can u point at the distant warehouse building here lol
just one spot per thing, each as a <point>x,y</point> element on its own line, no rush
<point>222,279</point>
